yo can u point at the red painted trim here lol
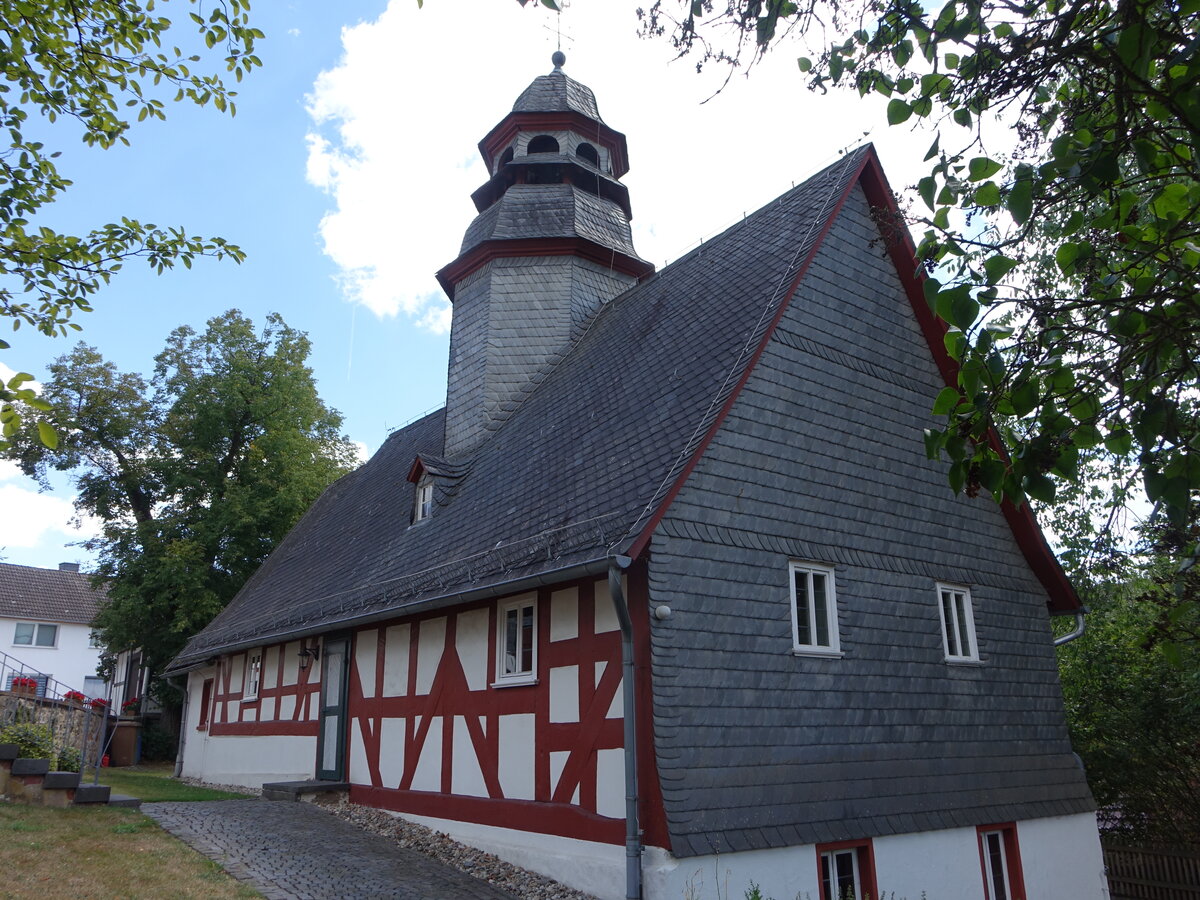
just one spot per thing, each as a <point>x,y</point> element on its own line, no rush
<point>416,470</point>
<point>223,693</point>
<point>525,815</point>
<point>481,254</point>
<point>1012,854</point>
<point>866,864</point>
<point>596,132</point>
<point>643,538</point>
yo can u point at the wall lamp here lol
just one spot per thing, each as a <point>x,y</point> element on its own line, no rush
<point>307,655</point>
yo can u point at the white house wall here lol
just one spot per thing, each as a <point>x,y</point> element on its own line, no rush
<point>71,660</point>
<point>273,737</point>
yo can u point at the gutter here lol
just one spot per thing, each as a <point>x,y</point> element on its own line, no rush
<point>633,835</point>
<point>514,586</point>
<point>1077,631</point>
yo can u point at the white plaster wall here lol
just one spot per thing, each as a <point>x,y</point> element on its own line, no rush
<point>241,759</point>
<point>1062,857</point>
<point>69,661</point>
<point>597,869</point>
<point>1061,860</point>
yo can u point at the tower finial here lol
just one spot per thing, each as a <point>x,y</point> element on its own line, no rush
<point>559,59</point>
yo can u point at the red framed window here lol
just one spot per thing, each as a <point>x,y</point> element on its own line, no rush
<point>206,691</point>
<point>1000,859</point>
<point>846,870</point>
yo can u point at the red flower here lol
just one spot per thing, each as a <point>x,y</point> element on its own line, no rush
<point>98,703</point>
<point>76,696</point>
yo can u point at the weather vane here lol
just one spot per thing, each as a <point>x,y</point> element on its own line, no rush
<point>558,6</point>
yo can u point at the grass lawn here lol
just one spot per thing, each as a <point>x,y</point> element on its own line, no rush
<point>99,853</point>
<point>152,782</point>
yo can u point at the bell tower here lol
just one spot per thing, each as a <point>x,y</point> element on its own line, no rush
<point>550,246</point>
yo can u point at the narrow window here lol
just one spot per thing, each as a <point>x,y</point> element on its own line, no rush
<point>253,673</point>
<point>423,504</point>
<point>847,870</point>
<point>814,609</point>
<point>958,623</point>
<point>517,641</point>
<point>505,159</point>
<point>588,152</point>
<point>1000,858</point>
<point>543,143</point>
<point>206,690</point>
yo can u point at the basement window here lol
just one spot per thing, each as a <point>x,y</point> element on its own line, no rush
<point>846,870</point>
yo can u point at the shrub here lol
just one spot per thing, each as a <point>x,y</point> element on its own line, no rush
<point>69,760</point>
<point>33,741</point>
<point>158,744</point>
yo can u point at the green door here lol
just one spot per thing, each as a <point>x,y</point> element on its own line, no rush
<point>331,738</point>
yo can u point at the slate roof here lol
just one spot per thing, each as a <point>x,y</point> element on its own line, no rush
<point>549,211</point>
<point>576,472</point>
<point>557,92</point>
<point>47,595</point>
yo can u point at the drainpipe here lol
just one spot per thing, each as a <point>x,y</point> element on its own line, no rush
<point>183,715</point>
<point>633,836</point>
<point>1077,631</point>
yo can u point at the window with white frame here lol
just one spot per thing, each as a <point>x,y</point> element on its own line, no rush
<point>847,870</point>
<point>814,609</point>
<point>516,650</point>
<point>35,634</point>
<point>958,623</point>
<point>1001,859</point>
<point>252,676</point>
<point>423,503</point>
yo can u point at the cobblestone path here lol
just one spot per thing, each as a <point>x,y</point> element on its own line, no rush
<point>298,850</point>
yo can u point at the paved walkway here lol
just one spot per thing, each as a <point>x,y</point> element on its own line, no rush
<point>298,850</point>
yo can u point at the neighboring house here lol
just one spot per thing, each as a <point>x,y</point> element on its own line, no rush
<point>46,625</point>
<point>674,537</point>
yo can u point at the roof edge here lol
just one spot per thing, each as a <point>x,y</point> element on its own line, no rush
<point>185,662</point>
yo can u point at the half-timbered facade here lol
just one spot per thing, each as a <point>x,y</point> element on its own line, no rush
<point>668,598</point>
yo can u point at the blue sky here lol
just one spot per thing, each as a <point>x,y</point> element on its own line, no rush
<point>346,177</point>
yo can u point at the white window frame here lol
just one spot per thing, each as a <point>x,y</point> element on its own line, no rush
<point>989,870</point>
<point>33,635</point>
<point>253,669</point>
<point>814,647</point>
<point>506,678</point>
<point>961,622</point>
<point>829,857</point>
<point>423,501</point>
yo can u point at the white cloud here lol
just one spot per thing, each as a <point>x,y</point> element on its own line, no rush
<point>34,520</point>
<point>396,123</point>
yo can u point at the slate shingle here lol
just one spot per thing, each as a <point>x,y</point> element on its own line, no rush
<point>47,595</point>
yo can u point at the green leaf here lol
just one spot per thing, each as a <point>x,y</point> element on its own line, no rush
<point>926,188</point>
<point>805,64</point>
<point>1119,442</point>
<point>47,435</point>
<point>987,194</point>
<point>981,167</point>
<point>996,267</point>
<point>964,310</point>
<point>946,401</point>
<point>1039,487</point>
<point>1020,201</point>
<point>898,111</point>
<point>1024,397</point>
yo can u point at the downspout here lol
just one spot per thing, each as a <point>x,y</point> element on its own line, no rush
<point>183,717</point>
<point>633,835</point>
<point>1077,631</point>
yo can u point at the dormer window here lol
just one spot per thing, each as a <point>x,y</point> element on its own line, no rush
<point>423,503</point>
<point>543,143</point>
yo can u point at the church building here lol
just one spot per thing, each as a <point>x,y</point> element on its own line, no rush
<point>668,599</point>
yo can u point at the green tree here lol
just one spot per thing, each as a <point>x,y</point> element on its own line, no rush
<point>1134,713</point>
<point>195,475</point>
<point>92,66</point>
<point>1066,266</point>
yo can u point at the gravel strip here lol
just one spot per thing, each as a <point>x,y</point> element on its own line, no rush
<point>520,882</point>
